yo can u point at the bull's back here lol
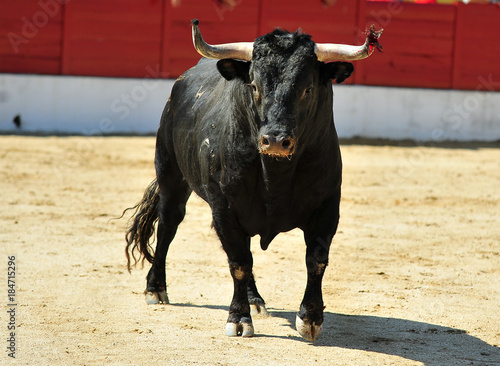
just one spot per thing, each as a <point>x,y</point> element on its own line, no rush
<point>184,130</point>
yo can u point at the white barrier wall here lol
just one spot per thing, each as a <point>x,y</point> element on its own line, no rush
<point>417,114</point>
<point>94,106</point>
<point>81,105</point>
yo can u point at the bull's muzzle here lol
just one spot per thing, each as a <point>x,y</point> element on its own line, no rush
<point>277,146</point>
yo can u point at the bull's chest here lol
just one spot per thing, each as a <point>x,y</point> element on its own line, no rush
<point>266,218</point>
<point>268,207</point>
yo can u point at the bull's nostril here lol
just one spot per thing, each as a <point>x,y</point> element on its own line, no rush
<point>277,145</point>
<point>286,144</point>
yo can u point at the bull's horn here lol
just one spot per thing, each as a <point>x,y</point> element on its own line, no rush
<point>328,52</point>
<point>239,50</point>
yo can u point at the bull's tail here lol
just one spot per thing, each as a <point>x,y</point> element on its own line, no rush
<point>142,226</point>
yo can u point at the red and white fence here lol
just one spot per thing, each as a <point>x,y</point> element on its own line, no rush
<point>441,59</point>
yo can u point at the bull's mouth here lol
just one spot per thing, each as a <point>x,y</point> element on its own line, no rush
<point>277,146</point>
<point>277,155</point>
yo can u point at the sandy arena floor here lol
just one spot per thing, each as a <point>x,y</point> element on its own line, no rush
<point>414,275</point>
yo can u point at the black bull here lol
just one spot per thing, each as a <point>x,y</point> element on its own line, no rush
<point>256,140</point>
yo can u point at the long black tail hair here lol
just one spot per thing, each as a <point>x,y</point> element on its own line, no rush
<point>142,226</point>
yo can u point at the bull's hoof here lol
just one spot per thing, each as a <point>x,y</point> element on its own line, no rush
<point>307,330</point>
<point>239,329</point>
<point>153,298</point>
<point>258,309</point>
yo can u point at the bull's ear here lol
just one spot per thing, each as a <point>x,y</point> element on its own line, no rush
<point>338,71</point>
<point>231,69</point>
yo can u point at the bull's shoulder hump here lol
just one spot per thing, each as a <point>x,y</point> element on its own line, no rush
<point>204,70</point>
<point>197,80</point>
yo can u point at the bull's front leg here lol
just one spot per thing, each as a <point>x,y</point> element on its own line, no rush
<point>239,321</point>
<point>236,244</point>
<point>309,320</point>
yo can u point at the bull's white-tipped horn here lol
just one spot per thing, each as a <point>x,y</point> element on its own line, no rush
<point>239,50</point>
<point>328,52</point>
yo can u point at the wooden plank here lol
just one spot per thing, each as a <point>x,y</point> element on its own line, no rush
<point>30,37</point>
<point>476,50</point>
<point>167,33</point>
<point>335,24</point>
<point>384,12</point>
<point>359,38</point>
<point>112,37</point>
<point>418,45</point>
<point>418,29</point>
<point>326,24</point>
<point>405,70</point>
<point>29,65</point>
<point>218,25</point>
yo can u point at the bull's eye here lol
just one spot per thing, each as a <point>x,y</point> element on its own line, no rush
<point>255,90</point>
<point>307,92</point>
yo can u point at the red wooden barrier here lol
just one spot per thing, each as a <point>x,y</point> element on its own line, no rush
<point>476,64</point>
<point>30,36</point>
<point>217,23</point>
<point>329,24</point>
<point>429,46</point>
<point>333,24</point>
<point>417,41</point>
<point>112,37</point>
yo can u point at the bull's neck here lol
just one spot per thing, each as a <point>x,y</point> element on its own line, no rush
<point>278,174</point>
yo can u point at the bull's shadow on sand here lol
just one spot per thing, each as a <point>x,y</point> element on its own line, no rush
<point>427,343</point>
<point>431,344</point>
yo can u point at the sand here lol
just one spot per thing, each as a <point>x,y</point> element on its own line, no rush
<point>414,274</point>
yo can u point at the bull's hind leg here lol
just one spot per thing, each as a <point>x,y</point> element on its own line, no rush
<point>174,193</point>
<point>257,303</point>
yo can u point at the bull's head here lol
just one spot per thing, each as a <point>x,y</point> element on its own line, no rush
<point>289,76</point>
